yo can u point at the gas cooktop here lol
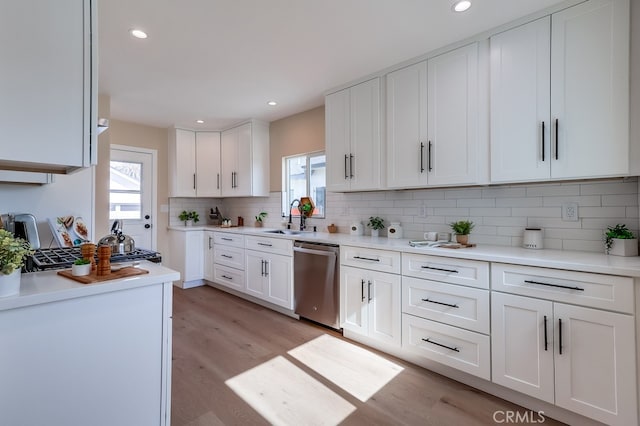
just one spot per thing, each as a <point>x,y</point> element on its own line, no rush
<point>63,257</point>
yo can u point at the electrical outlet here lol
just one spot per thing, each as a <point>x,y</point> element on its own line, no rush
<point>570,212</point>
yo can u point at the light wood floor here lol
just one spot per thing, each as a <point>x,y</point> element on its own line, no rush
<point>222,342</point>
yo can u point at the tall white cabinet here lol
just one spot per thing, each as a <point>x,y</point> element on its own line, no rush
<point>49,76</point>
<point>560,95</point>
<point>352,121</point>
<point>433,121</point>
<point>245,160</point>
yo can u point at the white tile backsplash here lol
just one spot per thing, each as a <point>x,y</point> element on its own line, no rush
<point>500,213</point>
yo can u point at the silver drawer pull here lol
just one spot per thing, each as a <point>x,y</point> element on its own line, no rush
<point>226,239</point>
<point>554,285</point>
<point>440,303</point>
<point>227,277</point>
<point>441,345</point>
<point>366,258</point>
<point>453,271</point>
<point>227,256</point>
<point>265,244</point>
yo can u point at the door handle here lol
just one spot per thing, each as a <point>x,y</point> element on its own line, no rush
<point>429,157</point>
<point>451,305</point>
<point>218,181</point>
<point>543,141</point>
<point>351,166</point>
<point>428,340</point>
<point>546,341</point>
<point>346,174</point>
<point>362,289</point>
<point>557,138</point>
<point>369,291</point>
<point>210,243</point>
<point>421,157</point>
<point>262,268</point>
<point>560,336</point>
<point>266,268</point>
<point>194,181</point>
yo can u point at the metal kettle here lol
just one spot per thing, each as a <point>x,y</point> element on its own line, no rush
<point>119,242</point>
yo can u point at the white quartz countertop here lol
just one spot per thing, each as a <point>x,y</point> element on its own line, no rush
<point>45,287</point>
<point>559,259</point>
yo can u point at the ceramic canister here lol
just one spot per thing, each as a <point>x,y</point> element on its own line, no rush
<point>394,230</point>
<point>356,228</point>
<point>532,238</point>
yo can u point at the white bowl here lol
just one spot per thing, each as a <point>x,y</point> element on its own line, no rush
<point>80,270</point>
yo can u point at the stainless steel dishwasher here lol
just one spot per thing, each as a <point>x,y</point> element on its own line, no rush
<point>316,282</point>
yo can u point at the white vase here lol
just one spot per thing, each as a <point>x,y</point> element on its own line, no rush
<point>10,284</point>
<point>375,232</point>
<point>188,222</point>
<point>395,230</point>
<point>624,247</point>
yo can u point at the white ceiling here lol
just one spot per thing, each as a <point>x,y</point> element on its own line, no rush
<point>222,60</point>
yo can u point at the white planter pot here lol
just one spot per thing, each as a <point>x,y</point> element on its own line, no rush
<point>10,284</point>
<point>188,223</point>
<point>628,247</point>
<point>375,232</point>
<point>80,270</point>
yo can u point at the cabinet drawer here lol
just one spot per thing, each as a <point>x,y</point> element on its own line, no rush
<point>232,278</point>
<point>228,239</point>
<point>378,260</point>
<point>451,304</point>
<point>446,269</point>
<point>461,349</point>
<point>578,288</point>
<point>229,256</point>
<point>270,245</point>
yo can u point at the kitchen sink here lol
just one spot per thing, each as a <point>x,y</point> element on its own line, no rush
<point>287,232</point>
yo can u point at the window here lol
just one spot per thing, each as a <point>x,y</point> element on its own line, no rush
<point>304,176</point>
<point>125,190</point>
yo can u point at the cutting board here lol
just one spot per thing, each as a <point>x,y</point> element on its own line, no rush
<point>457,246</point>
<point>129,271</point>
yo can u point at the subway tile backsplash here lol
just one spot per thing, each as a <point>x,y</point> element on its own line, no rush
<point>500,213</point>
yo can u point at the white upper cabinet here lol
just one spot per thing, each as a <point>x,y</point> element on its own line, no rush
<point>48,81</point>
<point>560,95</point>
<point>433,121</point>
<point>245,160</point>
<point>520,103</point>
<point>194,163</point>
<point>353,137</point>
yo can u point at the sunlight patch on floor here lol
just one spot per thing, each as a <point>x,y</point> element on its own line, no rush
<point>354,369</point>
<point>285,395</point>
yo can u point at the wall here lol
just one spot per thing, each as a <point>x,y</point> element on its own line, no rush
<point>299,133</point>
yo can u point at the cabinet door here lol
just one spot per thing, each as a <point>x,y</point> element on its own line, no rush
<point>255,270</point>
<point>279,282</point>
<point>183,164</point>
<point>365,135</point>
<point>590,89</point>
<point>229,161</point>
<point>208,256</point>
<point>353,300</point>
<point>383,296</point>
<point>521,347</point>
<point>244,161</point>
<point>453,117</point>
<point>520,103</point>
<point>596,371</point>
<point>337,140</point>
<point>194,256</point>
<point>46,79</point>
<point>407,126</point>
<point>208,164</point>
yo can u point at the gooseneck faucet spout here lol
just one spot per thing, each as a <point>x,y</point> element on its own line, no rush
<point>291,208</point>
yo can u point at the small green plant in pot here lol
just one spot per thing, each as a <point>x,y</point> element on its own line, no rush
<point>189,218</point>
<point>462,229</point>
<point>13,252</point>
<point>81,267</point>
<point>376,224</point>
<point>260,219</point>
<point>620,241</point>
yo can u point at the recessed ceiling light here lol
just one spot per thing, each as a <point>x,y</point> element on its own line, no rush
<point>272,103</point>
<point>200,121</point>
<point>138,33</point>
<point>461,5</point>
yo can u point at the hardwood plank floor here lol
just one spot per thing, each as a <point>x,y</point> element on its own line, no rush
<point>237,363</point>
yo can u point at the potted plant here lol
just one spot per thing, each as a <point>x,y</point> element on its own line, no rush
<point>376,224</point>
<point>81,267</point>
<point>620,241</point>
<point>259,218</point>
<point>13,251</point>
<point>306,206</point>
<point>462,229</point>
<point>189,218</point>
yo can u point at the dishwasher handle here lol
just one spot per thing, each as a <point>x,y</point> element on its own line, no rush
<point>316,252</point>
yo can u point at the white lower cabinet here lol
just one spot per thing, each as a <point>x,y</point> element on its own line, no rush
<point>227,256</point>
<point>580,359</point>
<point>209,261</point>
<point>187,256</point>
<point>270,277</point>
<point>370,304</point>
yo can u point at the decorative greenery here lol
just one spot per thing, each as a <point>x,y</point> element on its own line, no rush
<point>260,217</point>
<point>12,252</point>
<point>192,215</point>
<point>462,227</point>
<point>305,209</point>
<point>620,232</point>
<point>376,223</point>
<point>81,262</point>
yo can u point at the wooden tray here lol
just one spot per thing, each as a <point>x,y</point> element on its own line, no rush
<point>457,246</point>
<point>128,271</point>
